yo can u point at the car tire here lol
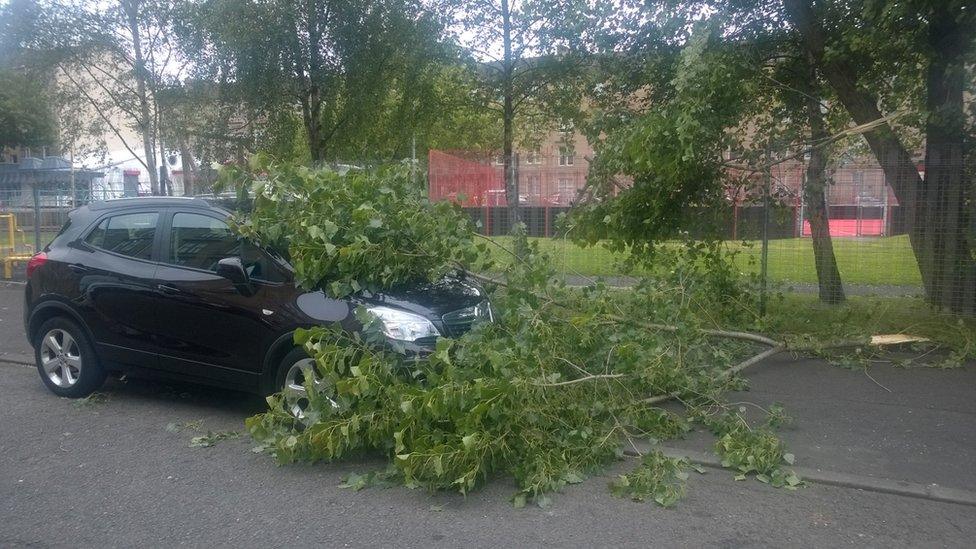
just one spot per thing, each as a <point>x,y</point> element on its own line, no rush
<point>288,385</point>
<point>290,379</point>
<point>66,360</point>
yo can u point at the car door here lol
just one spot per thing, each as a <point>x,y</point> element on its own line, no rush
<point>114,265</point>
<point>208,328</point>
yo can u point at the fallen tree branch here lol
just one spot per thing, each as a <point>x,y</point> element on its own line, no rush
<point>580,380</point>
<point>750,361</point>
<point>731,334</point>
<point>755,359</point>
<point>856,130</point>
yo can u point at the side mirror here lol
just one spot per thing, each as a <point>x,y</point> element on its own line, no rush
<point>232,268</point>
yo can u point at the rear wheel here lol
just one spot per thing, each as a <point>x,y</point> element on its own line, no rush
<point>66,360</point>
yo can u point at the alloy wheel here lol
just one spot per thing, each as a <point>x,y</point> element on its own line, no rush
<point>61,358</point>
<point>294,391</point>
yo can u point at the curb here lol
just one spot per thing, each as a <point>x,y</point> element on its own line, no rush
<point>931,492</point>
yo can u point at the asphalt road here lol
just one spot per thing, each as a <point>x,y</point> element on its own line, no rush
<point>110,473</point>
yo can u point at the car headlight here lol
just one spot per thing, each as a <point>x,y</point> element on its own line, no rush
<point>403,326</point>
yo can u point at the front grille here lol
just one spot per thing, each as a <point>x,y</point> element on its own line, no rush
<point>459,322</point>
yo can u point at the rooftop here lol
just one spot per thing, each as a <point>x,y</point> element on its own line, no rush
<point>50,170</point>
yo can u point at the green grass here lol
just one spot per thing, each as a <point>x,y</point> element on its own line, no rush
<point>876,261</point>
<point>803,315</point>
<point>882,261</point>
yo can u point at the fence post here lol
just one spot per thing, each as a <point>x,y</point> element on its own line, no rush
<point>764,264</point>
<point>37,217</point>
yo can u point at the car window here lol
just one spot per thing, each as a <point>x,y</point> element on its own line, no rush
<point>201,241</point>
<point>127,234</point>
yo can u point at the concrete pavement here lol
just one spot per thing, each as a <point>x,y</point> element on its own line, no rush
<point>916,425</point>
<point>13,345</point>
<point>110,473</point>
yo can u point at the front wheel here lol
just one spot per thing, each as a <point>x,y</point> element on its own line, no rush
<point>66,360</point>
<point>293,375</point>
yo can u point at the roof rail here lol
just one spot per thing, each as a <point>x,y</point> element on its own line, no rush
<point>148,201</point>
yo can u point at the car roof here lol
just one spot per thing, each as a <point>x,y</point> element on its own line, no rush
<point>142,201</point>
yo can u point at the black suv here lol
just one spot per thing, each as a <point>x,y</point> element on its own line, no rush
<point>162,286</point>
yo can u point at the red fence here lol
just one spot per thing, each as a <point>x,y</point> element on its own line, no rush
<point>859,200</point>
<point>467,181</point>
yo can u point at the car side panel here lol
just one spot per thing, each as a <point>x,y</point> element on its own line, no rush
<point>205,321</point>
<point>116,298</point>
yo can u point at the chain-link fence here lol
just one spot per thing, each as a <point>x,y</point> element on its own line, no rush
<point>30,217</point>
<point>893,230</point>
<point>876,228</point>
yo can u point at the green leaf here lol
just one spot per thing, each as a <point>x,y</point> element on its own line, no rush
<point>543,501</point>
<point>573,477</point>
<point>519,500</point>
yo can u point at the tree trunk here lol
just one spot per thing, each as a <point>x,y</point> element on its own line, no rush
<point>944,212</point>
<point>131,8</point>
<point>165,184</point>
<point>312,97</point>
<point>189,171</point>
<point>937,210</point>
<point>828,277</point>
<point>508,118</point>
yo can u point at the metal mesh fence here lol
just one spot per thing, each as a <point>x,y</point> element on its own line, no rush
<point>894,229</point>
<point>30,218</point>
<point>905,228</point>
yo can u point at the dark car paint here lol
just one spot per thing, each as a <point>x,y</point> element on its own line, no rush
<point>185,323</point>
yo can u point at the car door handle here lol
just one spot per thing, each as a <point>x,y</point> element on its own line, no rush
<point>167,289</point>
<point>78,268</point>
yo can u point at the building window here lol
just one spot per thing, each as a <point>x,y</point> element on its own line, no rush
<point>567,157</point>
<point>534,156</point>
<point>566,186</point>
<point>532,185</point>
<point>567,190</point>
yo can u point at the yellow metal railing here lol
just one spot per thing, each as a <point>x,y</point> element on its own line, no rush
<point>9,252</point>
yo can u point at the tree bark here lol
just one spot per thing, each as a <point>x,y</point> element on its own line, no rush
<point>828,276</point>
<point>311,99</point>
<point>508,117</point>
<point>945,209</point>
<point>937,210</point>
<point>131,8</point>
<point>189,171</point>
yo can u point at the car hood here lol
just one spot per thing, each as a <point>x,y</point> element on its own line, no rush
<point>431,299</point>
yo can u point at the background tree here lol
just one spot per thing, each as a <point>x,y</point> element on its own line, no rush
<point>26,117</point>
<point>27,112</point>
<point>524,62</point>
<point>361,77</point>
<point>109,62</point>
<point>917,56</point>
<point>876,59</point>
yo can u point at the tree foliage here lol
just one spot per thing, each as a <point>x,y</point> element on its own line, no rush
<point>548,393</point>
<point>361,77</point>
<point>26,116</point>
<point>672,153</point>
<point>363,231</point>
<point>523,66</point>
<point>27,113</point>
